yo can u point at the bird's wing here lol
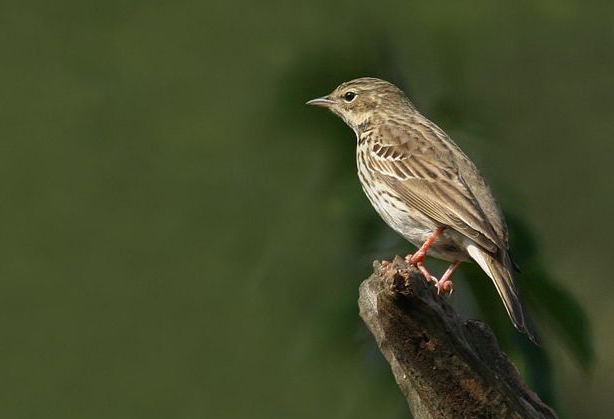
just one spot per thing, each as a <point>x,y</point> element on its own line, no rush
<point>423,167</point>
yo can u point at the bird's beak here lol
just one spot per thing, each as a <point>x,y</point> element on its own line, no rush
<point>323,101</point>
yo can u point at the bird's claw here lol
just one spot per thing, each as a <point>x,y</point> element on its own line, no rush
<point>416,258</point>
<point>444,286</point>
<point>426,273</point>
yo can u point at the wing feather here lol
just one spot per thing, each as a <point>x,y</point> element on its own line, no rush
<point>424,172</point>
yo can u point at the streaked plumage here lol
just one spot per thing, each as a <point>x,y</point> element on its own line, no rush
<point>418,179</point>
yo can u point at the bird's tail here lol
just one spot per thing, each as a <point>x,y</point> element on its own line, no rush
<point>503,278</point>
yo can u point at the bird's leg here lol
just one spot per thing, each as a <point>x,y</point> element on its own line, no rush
<point>419,256</point>
<point>445,283</point>
<point>427,275</point>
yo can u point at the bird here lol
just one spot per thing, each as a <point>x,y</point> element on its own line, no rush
<point>426,188</point>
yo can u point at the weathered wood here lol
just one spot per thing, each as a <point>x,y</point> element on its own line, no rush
<point>446,368</point>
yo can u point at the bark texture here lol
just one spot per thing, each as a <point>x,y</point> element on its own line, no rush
<point>447,368</point>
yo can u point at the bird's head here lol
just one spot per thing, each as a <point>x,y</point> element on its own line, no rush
<point>364,101</point>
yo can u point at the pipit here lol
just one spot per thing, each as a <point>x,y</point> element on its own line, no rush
<point>425,188</point>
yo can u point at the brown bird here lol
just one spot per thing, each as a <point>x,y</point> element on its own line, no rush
<point>425,188</point>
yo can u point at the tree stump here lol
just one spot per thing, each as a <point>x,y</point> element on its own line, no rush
<point>447,368</point>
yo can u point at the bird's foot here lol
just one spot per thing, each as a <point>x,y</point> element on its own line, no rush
<point>426,273</point>
<point>444,286</point>
<point>412,260</point>
<point>415,259</point>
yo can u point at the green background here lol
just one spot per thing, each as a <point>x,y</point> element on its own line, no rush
<point>183,238</point>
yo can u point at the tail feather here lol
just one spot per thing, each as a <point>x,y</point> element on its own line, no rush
<point>502,276</point>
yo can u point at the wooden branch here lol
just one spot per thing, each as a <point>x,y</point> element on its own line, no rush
<point>446,368</point>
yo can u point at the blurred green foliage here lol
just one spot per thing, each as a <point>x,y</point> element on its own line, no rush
<point>183,238</point>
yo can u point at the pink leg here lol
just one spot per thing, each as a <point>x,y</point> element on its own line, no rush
<point>419,256</point>
<point>445,283</point>
<point>427,275</point>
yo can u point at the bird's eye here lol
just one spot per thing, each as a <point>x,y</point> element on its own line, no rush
<point>349,96</point>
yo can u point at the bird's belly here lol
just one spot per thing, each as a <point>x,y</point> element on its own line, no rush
<point>414,226</point>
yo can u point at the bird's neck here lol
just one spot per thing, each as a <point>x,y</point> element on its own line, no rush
<point>369,123</point>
